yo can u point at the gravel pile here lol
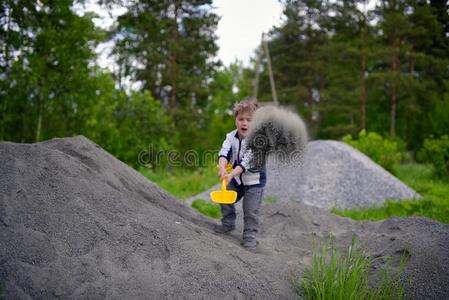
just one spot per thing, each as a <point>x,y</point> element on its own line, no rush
<point>77,223</point>
<point>334,174</point>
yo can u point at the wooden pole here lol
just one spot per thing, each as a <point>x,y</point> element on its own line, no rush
<point>270,71</point>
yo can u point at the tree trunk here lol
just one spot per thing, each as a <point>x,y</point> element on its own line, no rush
<point>311,122</point>
<point>393,92</point>
<point>23,118</point>
<point>363,95</point>
<point>39,120</point>
<point>173,57</point>
<point>411,66</point>
<point>319,104</point>
<point>173,77</point>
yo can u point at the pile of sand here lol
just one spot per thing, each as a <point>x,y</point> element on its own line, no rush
<point>77,223</point>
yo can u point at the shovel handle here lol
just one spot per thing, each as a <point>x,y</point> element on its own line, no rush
<point>223,185</point>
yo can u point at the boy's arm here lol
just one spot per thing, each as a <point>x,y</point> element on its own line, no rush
<point>224,157</point>
<point>222,162</point>
<point>235,172</point>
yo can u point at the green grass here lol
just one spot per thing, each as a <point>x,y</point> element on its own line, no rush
<point>207,208</point>
<point>183,183</point>
<point>332,276</point>
<point>433,205</point>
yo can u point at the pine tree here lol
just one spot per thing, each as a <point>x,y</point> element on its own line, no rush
<point>297,60</point>
<point>348,56</point>
<point>168,46</point>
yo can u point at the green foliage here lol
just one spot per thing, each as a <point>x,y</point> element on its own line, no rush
<point>344,278</point>
<point>345,68</point>
<point>50,86</point>
<point>229,85</point>
<point>331,62</point>
<point>434,203</point>
<point>133,128</point>
<point>383,151</point>
<point>183,183</point>
<point>43,83</point>
<point>146,127</point>
<point>437,120</point>
<point>167,47</point>
<point>207,208</point>
<point>436,151</point>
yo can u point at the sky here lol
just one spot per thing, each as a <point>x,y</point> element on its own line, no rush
<point>239,29</point>
<point>241,26</point>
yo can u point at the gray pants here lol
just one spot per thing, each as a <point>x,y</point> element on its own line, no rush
<point>252,199</point>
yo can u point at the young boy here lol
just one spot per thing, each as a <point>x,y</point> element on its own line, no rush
<point>248,182</point>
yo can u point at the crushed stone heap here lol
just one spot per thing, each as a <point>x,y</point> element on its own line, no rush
<point>78,223</point>
<point>334,174</point>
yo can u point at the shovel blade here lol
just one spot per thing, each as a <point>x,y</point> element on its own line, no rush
<point>226,197</point>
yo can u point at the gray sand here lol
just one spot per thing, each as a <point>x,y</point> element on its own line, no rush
<point>332,174</point>
<point>77,223</point>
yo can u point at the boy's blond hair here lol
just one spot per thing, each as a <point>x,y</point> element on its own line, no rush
<point>248,104</point>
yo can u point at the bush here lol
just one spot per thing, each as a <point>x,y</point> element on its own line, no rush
<point>436,152</point>
<point>385,152</point>
<point>207,208</point>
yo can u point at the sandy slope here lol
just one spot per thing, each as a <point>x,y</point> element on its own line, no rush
<point>77,223</point>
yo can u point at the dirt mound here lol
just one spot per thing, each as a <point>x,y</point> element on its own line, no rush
<point>75,223</point>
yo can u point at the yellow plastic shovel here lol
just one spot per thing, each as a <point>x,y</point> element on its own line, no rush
<point>224,196</point>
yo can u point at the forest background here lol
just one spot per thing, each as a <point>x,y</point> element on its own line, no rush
<point>340,65</point>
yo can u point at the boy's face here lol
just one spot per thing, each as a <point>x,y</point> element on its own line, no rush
<point>243,123</point>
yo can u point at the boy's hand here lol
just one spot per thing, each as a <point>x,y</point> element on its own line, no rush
<point>222,173</point>
<point>235,172</point>
<point>228,177</point>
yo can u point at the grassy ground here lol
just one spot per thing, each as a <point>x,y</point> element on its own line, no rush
<point>183,183</point>
<point>207,208</point>
<point>342,277</point>
<point>434,205</point>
